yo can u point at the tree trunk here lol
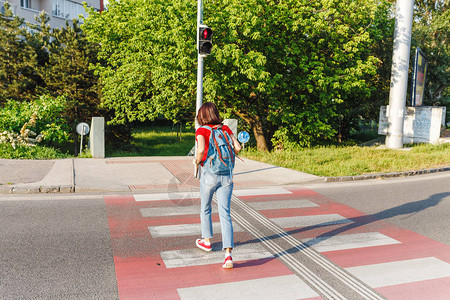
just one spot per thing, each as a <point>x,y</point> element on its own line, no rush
<point>258,130</point>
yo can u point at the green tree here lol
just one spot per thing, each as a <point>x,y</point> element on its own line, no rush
<point>67,71</point>
<point>284,67</point>
<point>18,76</point>
<point>148,58</point>
<point>291,68</point>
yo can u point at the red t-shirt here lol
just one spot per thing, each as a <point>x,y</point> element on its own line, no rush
<point>206,134</point>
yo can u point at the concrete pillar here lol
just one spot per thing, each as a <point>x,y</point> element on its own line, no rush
<point>97,137</point>
<point>233,124</point>
<point>399,75</point>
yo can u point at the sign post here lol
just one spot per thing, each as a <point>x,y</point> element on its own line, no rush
<point>82,129</point>
<point>419,77</point>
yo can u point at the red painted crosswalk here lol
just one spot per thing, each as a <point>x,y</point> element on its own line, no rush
<point>398,263</point>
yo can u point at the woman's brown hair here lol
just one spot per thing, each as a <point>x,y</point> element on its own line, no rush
<point>208,114</point>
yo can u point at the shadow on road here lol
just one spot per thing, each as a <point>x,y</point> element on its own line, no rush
<point>410,208</point>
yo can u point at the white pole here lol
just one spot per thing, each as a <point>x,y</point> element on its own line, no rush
<point>399,75</point>
<point>82,133</point>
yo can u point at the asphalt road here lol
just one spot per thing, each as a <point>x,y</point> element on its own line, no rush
<point>56,249</point>
<point>59,247</point>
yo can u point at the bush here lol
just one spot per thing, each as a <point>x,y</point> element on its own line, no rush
<point>48,121</point>
<point>38,152</point>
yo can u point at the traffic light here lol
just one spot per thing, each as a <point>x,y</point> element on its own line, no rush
<point>204,40</point>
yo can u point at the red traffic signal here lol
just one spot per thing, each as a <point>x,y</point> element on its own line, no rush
<point>206,33</point>
<point>204,40</point>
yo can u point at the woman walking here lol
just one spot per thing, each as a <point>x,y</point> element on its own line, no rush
<point>210,182</point>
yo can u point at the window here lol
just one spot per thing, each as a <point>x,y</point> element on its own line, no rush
<point>25,3</point>
<point>67,9</point>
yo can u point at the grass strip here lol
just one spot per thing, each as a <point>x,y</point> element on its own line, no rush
<point>354,160</point>
<point>156,141</point>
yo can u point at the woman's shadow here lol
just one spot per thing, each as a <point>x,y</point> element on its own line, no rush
<point>410,208</point>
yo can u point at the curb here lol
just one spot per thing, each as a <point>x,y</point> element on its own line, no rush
<point>386,175</point>
<point>36,189</point>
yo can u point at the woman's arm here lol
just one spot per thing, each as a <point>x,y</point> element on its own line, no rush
<point>236,144</point>
<point>200,149</point>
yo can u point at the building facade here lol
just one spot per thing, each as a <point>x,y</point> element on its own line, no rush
<point>59,11</point>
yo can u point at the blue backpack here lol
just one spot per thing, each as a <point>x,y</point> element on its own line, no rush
<point>220,157</point>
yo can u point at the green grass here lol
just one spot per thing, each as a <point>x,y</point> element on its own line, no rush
<point>156,141</point>
<point>350,161</point>
<point>37,152</point>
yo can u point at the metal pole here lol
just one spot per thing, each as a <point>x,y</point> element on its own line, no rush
<point>82,133</point>
<point>399,75</point>
<point>199,83</point>
<point>200,60</point>
<point>199,101</point>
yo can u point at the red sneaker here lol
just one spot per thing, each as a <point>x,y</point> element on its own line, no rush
<point>228,263</point>
<point>201,243</point>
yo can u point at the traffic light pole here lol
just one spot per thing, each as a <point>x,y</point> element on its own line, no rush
<point>199,101</point>
<point>200,60</point>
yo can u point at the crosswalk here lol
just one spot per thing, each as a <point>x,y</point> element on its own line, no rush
<point>153,243</point>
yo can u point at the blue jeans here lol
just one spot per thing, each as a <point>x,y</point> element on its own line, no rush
<point>222,185</point>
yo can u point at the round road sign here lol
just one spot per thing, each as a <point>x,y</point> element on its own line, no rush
<point>83,128</point>
<point>243,137</point>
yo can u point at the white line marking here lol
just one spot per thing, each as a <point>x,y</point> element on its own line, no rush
<point>282,204</point>
<point>195,209</point>
<point>350,241</point>
<point>166,196</point>
<point>289,222</point>
<point>261,192</point>
<point>400,272</point>
<point>281,287</point>
<point>172,211</point>
<point>184,230</point>
<point>198,257</point>
<point>196,195</point>
<point>314,220</point>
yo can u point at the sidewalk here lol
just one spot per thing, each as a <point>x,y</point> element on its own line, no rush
<point>131,174</point>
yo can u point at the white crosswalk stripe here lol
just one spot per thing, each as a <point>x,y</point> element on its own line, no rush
<point>197,257</point>
<point>310,221</point>
<point>350,241</point>
<point>281,287</point>
<point>284,204</point>
<point>289,222</point>
<point>196,195</point>
<point>399,272</point>
<point>195,209</point>
<point>292,287</point>
<point>194,256</point>
<point>184,230</point>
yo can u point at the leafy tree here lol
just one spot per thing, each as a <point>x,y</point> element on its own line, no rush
<point>284,67</point>
<point>18,74</point>
<point>291,68</point>
<point>356,109</point>
<point>67,71</point>
<point>148,58</point>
